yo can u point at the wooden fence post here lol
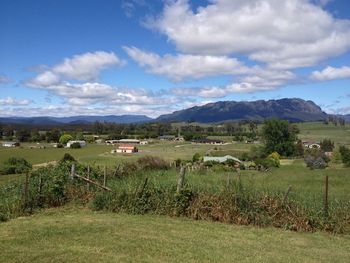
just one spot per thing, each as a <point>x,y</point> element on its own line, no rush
<point>72,171</point>
<point>181,180</point>
<point>88,177</point>
<point>104,176</point>
<point>26,189</point>
<point>326,198</point>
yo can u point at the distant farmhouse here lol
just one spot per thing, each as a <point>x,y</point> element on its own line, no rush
<point>171,138</point>
<point>126,141</point>
<point>10,144</point>
<point>221,159</point>
<point>208,141</point>
<point>125,148</point>
<point>311,145</point>
<point>82,143</point>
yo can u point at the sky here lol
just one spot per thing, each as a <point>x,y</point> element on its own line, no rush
<point>114,57</point>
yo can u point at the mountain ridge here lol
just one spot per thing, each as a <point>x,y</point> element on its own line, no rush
<point>292,109</point>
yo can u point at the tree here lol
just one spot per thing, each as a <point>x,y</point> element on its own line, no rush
<point>16,165</point>
<point>66,138</point>
<point>196,157</point>
<point>327,145</point>
<point>279,136</point>
<point>345,155</point>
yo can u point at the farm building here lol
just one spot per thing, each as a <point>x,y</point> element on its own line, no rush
<point>129,141</point>
<point>220,159</point>
<point>143,142</point>
<point>167,138</point>
<point>10,144</point>
<point>208,141</point>
<point>311,145</point>
<point>125,148</point>
<point>82,143</point>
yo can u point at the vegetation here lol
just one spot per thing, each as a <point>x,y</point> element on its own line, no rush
<point>279,136</point>
<point>75,234</point>
<point>345,155</point>
<point>65,138</point>
<point>16,165</point>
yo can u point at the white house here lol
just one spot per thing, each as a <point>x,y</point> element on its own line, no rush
<point>82,143</point>
<point>10,144</point>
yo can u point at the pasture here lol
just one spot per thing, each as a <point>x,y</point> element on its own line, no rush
<point>72,234</point>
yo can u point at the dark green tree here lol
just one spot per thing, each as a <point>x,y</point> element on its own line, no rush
<point>279,136</point>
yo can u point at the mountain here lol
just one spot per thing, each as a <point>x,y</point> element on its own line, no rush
<point>295,110</point>
<point>75,119</point>
<point>347,117</point>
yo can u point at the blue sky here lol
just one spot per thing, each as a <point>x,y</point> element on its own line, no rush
<point>64,58</point>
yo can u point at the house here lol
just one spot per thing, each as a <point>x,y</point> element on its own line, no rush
<point>10,144</point>
<point>125,148</point>
<point>167,138</point>
<point>208,141</point>
<point>82,143</point>
<point>221,159</point>
<point>143,142</point>
<point>128,141</point>
<point>311,145</point>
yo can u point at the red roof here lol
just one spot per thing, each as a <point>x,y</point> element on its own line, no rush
<point>126,147</point>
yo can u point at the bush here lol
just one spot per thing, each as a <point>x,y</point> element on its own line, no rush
<point>327,145</point>
<point>152,163</point>
<point>75,145</point>
<point>65,138</point>
<point>345,155</point>
<point>196,157</point>
<point>16,165</point>
<point>67,158</point>
<point>316,159</point>
<point>275,158</point>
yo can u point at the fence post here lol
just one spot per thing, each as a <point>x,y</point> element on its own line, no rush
<point>26,189</point>
<point>88,177</point>
<point>181,180</point>
<point>326,198</point>
<point>104,176</point>
<point>72,171</point>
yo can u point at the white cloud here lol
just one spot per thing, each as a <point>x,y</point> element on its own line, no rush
<point>331,73</point>
<point>4,79</point>
<point>84,67</point>
<point>9,101</point>
<point>181,67</point>
<point>283,34</point>
<point>260,79</point>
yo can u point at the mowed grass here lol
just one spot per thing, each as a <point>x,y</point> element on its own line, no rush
<point>317,131</point>
<point>80,235</point>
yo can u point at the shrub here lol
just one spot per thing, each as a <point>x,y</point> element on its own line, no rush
<point>345,155</point>
<point>67,158</point>
<point>65,138</point>
<point>16,165</point>
<point>75,145</point>
<point>152,163</point>
<point>316,159</point>
<point>196,157</point>
<point>275,158</point>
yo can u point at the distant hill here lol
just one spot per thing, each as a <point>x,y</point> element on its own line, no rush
<point>75,119</point>
<point>347,117</point>
<point>295,110</point>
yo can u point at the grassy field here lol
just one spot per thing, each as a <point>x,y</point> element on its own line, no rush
<point>79,235</point>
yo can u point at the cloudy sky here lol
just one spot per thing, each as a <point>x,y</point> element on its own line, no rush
<point>64,57</point>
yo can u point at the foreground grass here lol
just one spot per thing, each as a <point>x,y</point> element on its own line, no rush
<point>79,235</point>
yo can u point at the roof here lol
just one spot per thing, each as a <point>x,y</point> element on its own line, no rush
<point>167,137</point>
<point>207,141</point>
<point>9,142</point>
<point>221,159</point>
<point>127,147</point>
<point>129,140</point>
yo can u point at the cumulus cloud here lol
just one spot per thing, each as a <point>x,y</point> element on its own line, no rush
<point>9,101</point>
<point>182,66</point>
<point>284,34</point>
<point>84,67</point>
<point>259,79</point>
<point>331,73</point>
<point>4,79</point>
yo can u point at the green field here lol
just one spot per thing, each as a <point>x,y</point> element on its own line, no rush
<point>79,235</point>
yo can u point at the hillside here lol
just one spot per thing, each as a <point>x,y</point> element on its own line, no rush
<point>295,110</point>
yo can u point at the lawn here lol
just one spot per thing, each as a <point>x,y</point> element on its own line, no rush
<point>72,234</point>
